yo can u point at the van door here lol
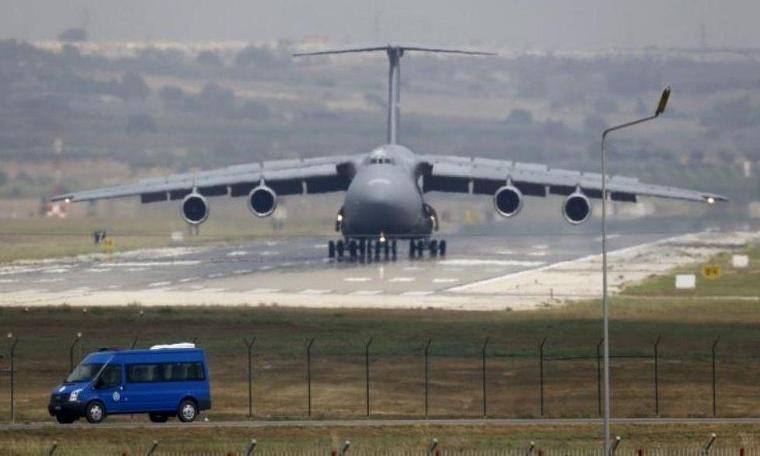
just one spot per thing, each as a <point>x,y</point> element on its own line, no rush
<point>109,388</point>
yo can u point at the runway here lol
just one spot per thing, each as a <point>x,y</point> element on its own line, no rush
<point>295,271</point>
<point>380,423</point>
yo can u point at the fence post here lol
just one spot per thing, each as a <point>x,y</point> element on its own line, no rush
<point>152,448</point>
<point>52,448</point>
<point>366,373</point>
<point>483,376</point>
<point>138,325</point>
<point>71,350</point>
<point>657,376</point>
<point>529,451</point>
<point>427,375</point>
<point>309,343</point>
<point>714,378</point>
<point>249,345</point>
<point>251,448</point>
<point>541,376</point>
<point>12,355</point>
<point>599,376</point>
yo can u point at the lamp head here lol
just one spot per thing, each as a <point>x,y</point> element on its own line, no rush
<point>663,101</point>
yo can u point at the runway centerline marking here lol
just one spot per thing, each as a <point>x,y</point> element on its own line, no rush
<point>243,271</point>
<point>215,275</point>
<point>402,279</point>
<point>357,279</point>
<point>188,279</point>
<point>269,253</point>
<point>237,253</point>
<point>264,290</point>
<point>159,284</point>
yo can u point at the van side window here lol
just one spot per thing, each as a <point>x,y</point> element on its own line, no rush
<point>111,376</point>
<point>165,372</point>
<point>143,373</point>
<point>179,372</point>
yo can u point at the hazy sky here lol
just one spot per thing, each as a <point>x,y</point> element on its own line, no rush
<point>546,24</point>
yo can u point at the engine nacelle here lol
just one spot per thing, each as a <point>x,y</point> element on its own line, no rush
<point>577,208</point>
<point>194,209</point>
<point>262,201</point>
<point>508,200</point>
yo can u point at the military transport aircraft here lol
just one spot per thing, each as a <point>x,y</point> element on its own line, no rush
<point>385,188</point>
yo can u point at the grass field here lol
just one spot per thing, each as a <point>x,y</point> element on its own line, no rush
<point>687,325</point>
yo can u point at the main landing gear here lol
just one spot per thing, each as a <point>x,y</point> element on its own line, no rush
<point>376,249</point>
<point>362,249</point>
<point>418,247</point>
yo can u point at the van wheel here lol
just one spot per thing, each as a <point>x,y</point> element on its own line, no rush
<point>187,411</point>
<point>65,418</point>
<point>158,417</point>
<point>95,412</point>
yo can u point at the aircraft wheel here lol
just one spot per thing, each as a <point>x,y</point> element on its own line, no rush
<point>386,249</point>
<point>442,247</point>
<point>331,249</point>
<point>378,244</point>
<point>412,248</point>
<point>393,249</point>
<point>434,247</point>
<point>362,247</point>
<point>340,248</point>
<point>352,249</point>
<point>421,248</point>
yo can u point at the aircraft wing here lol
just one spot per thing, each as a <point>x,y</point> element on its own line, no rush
<point>485,176</point>
<point>285,177</point>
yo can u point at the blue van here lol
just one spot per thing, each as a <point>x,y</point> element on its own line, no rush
<point>161,381</point>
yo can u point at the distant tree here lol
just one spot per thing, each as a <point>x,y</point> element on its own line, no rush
<point>214,97</point>
<point>520,118</point>
<point>141,123</point>
<point>133,87</point>
<point>73,35</point>
<point>255,55</point>
<point>209,58</point>
<point>173,97</point>
<point>254,110</point>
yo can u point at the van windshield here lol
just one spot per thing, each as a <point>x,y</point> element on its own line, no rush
<point>84,372</point>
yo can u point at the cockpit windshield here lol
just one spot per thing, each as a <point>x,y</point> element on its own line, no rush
<point>380,160</point>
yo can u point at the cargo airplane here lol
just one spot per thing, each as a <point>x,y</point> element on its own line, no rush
<point>385,188</point>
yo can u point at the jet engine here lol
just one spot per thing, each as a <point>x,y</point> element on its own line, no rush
<point>508,200</point>
<point>194,209</point>
<point>576,208</point>
<point>262,201</point>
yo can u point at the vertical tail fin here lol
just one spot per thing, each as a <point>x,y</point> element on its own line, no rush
<point>394,75</point>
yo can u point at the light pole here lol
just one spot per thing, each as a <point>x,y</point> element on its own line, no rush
<point>605,308</point>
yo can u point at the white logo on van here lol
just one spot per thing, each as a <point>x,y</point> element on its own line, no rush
<point>61,389</point>
<point>116,396</point>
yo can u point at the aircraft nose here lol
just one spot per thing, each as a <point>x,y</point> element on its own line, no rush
<point>381,205</point>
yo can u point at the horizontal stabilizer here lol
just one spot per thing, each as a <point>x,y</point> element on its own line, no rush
<point>393,47</point>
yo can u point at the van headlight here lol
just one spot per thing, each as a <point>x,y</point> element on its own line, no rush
<point>74,396</point>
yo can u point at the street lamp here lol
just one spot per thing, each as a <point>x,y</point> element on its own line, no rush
<point>605,308</point>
